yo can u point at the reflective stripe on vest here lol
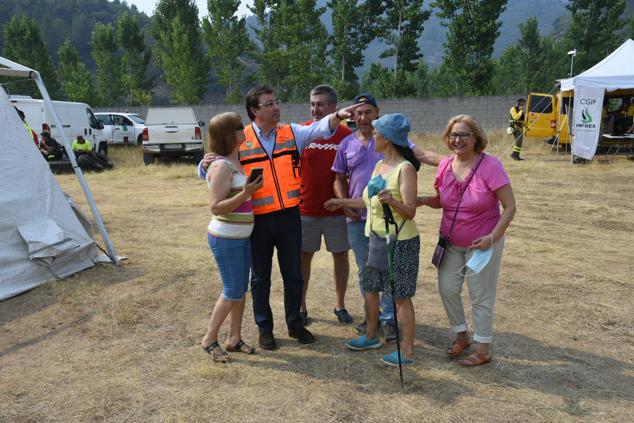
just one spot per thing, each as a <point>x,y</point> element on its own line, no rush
<point>281,187</point>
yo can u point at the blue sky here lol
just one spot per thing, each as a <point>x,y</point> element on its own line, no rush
<point>148,6</point>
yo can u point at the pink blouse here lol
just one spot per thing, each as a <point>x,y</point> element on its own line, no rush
<point>479,210</point>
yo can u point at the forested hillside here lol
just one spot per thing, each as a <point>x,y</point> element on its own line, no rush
<point>108,53</point>
<point>74,19</point>
<point>62,19</point>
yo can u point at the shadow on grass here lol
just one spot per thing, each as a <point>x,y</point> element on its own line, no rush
<point>520,362</point>
<point>43,296</point>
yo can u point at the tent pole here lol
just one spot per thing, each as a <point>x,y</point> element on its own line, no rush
<point>78,173</point>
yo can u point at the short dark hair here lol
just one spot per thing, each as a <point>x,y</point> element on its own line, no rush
<point>253,98</point>
<point>221,132</point>
<point>520,100</point>
<point>327,90</point>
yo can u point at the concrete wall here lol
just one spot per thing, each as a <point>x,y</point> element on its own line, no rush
<point>426,115</point>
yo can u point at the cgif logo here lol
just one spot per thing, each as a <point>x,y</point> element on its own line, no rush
<point>587,122</point>
<point>586,117</point>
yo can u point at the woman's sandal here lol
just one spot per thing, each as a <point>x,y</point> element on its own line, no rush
<point>458,347</point>
<point>475,359</point>
<point>217,352</point>
<point>241,346</point>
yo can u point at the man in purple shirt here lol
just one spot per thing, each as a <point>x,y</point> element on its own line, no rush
<point>353,166</point>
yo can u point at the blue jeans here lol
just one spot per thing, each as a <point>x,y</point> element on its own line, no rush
<point>359,244</point>
<point>281,230</point>
<point>233,259</point>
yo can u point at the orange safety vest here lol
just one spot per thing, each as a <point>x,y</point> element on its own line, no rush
<point>282,183</point>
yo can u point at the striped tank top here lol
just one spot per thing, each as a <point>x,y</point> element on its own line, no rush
<point>237,224</point>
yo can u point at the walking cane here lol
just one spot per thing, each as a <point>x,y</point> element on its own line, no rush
<point>388,217</point>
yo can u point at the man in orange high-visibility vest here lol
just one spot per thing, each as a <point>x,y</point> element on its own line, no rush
<point>276,149</point>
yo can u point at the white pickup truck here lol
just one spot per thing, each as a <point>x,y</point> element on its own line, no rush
<point>172,132</point>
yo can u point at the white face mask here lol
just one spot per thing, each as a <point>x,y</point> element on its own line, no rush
<point>478,261</point>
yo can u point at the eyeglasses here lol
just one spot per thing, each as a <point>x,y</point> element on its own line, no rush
<point>270,104</point>
<point>462,135</point>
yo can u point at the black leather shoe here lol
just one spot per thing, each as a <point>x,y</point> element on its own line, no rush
<point>267,341</point>
<point>302,335</point>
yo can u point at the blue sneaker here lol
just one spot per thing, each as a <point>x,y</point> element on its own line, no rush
<point>392,359</point>
<point>361,343</point>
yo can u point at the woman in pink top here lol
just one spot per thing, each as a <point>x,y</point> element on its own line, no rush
<point>470,185</point>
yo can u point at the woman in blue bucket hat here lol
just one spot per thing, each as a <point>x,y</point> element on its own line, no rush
<point>393,183</point>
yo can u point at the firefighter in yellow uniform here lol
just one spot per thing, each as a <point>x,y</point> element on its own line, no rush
<point>516,122</point>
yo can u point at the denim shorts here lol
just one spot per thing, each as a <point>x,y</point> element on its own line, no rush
<point>233,259</point>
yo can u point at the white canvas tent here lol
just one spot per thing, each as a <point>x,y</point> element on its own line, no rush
<point>615,72</point>
<point>40,236</point>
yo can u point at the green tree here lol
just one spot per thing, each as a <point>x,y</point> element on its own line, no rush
<point>442,82</point>
<point>135,59</point>
<point>420,79</point>
<point>23,44</point>
<point>473,28</point>
<point>593,30</point>
<point>378,80</point>
<point>400,28</point>
<point>532,64</point>
<point>178,50</point>
<point>353,28</point>
<point>108,59</point>
<point>75,78</point>
<point>227,43</point>
<point>294,41</point>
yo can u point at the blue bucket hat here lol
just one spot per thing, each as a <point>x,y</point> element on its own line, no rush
<point>394,127</point>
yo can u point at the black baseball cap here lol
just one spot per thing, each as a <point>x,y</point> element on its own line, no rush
<point>365,99</point>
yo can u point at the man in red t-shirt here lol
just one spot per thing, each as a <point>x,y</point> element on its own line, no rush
<point>317,187</point>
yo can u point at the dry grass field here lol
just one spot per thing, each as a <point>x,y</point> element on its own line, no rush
<point>122,343</point>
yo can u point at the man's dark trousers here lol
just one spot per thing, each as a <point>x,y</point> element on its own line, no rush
<point>281,230</point>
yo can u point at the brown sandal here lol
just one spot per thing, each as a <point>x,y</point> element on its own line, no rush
<point>458,347</point>
<point>218,354</point>
<point>241,346</point>
<point>475,359</point>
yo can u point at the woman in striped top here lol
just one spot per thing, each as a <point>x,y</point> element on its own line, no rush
<point>229,232</point>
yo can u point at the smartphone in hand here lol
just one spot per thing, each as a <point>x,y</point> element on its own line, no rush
<point>255,172</point>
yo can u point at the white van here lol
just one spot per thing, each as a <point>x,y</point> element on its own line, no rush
<point>77,119</point>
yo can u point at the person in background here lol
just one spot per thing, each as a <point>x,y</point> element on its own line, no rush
<point>50,148</point>
<point>81,145</point>
<point>516,122</point>
<point>88,159</point>
<point>229,232</point>
<point>393,183</point>
<point>317,187</point>
<point>353,166</point>
<point>470,186</point>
